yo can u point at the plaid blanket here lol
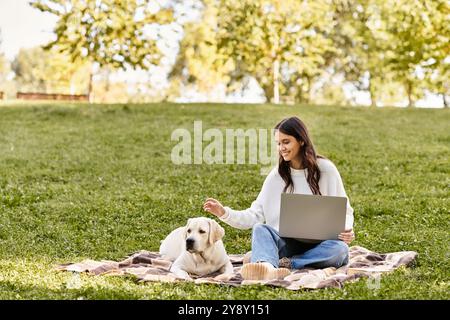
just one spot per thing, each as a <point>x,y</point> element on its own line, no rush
<point>149,266</point>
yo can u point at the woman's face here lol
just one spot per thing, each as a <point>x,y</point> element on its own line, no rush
<point>288,146</point>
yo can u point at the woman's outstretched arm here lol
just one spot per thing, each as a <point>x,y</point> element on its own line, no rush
<point>244,219</point>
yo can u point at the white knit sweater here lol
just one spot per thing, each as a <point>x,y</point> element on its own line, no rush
<point>266,207</point>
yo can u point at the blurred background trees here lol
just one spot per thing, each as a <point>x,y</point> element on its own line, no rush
<point>49,72</point>
<point>322,51</point>
<point>7,86</point>
<point>108,33</point>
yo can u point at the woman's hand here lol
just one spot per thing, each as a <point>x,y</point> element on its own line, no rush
<point>213,206</point>
<point>347,236</point>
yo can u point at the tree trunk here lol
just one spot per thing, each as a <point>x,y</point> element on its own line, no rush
<point>268,90</point>
<point>90,95</point>
<point>299,94</point>
<point>307,97</point>
<point>107,80</point>
<point>409,92</point>
<point>446,105</point>
<point>303,93</point>
<point>373,101</point>
<point>276,84</point>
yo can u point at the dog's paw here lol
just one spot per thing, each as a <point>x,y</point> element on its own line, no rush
<point>185,278</point>
<point>224,277</point>
<point>182,275</point>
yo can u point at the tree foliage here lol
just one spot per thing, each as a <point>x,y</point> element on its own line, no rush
<point>277,42</point>
<point>110,33</point>
<point>3,61</point>
<point>38,70</point>
<point>418,42</point>
<point>289,47</point>
<point>298,51</point>
<point>200,61</point>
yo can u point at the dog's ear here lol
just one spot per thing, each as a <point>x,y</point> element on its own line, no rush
<point>186,228</point>
<point>216,232</point>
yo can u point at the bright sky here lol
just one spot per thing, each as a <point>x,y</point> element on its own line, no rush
<point>22,26</point>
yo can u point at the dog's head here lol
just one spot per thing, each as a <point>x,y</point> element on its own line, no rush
<point>201,233</point>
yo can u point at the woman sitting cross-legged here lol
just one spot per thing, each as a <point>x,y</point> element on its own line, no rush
<point>300,170</point>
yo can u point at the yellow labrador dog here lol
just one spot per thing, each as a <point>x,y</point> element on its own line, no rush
<point>196,248</point>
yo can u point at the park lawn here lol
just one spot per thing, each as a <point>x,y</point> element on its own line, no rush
<point>96,181</point>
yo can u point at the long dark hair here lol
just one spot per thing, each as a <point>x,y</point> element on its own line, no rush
<point>293,126</point>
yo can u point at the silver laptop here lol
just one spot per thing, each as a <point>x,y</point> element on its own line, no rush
<point>312,217</point>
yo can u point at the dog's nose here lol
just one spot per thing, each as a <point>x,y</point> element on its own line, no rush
<point>189,243</point>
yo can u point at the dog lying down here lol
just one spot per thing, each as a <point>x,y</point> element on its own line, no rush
<point>196,248</point>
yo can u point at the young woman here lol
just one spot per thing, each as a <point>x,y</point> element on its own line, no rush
<point>300,170</point>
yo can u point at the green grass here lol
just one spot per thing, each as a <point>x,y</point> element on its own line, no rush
<point>80,181</point>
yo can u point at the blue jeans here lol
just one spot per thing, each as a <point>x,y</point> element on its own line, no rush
<point>268,246</point>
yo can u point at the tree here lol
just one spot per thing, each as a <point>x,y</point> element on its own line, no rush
<point>3,61</point>
<point>3,73</point>
<point>108,32</point>
<point>3,65</point>
<point>418,36</point>
<point>49,71</point>
<point>437,51</point>
<point>358,37</point>
<point>438,80</point>
<point>6,87</point>
<point>273,40</point>
<point>199,61</point>
<point>291,47</point>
